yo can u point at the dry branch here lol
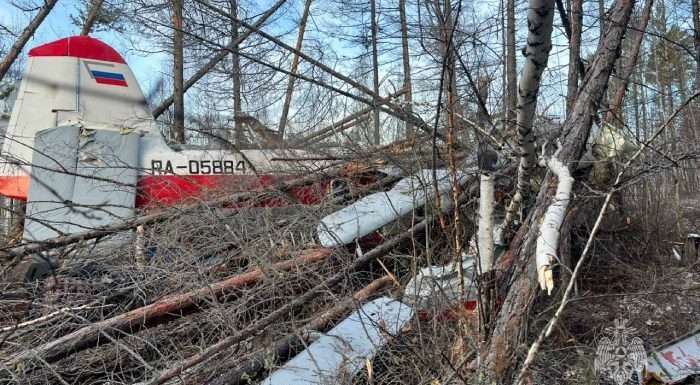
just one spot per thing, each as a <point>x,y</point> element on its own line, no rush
<point>92,16</point>
<point>213,350</point>
<point>616,103</point>
<point>36,247</point>
<point>208,353</point>
<point>284,345</point>
<point>547,331</point>
<point>137,318</point>
<point>221,55</point>
<point>22,40</point>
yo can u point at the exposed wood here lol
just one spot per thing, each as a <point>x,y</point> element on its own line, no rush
<point>548,238</point>
<point>549,328</point>
<point>375,73</point>
<point>628,70</point>
<point>217,58</point>
<point>136,319</point>
<point>295,68</point>
<point>92,16</point>
<point>336,129</point>
<point>24,37</point>
<point>500,352</point>
<point>406,61</point>
<point>178,127</point>
<point>284,346</point>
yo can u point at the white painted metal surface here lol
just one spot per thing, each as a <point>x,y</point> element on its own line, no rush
<point>677,360</point>
<point>376,210</point>
<point>437,288</point>
<point>342,352</point>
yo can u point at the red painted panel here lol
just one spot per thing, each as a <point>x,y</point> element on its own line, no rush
<point>112,82</point>
<point>168,190</point>
<point>15,187</point>
<point>83,47</point>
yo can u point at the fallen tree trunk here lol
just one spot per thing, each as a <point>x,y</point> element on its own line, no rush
<point>180,367</point>
<point>138,318</point>
<point>343,124</point>
<point>284,346</point>
<point>499,358</point>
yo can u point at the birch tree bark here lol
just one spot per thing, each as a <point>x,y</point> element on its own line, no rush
<point>91,17</point>
<point>178,73</point>
<point>24,37</point>
<point>540,16</point>
<point>294,69</point>
<point>497,360</point>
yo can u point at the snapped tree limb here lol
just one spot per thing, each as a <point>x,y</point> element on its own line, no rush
<point>498,357</point>
<point>548,239</point>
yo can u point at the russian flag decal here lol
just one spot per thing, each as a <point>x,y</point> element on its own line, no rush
<point>111,78</point>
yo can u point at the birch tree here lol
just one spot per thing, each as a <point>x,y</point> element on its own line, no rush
<point>513,313</point>
<point>510,67</point>
<point>540,16</point>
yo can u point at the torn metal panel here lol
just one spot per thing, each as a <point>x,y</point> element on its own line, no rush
<point>54,163</point>
<point>106,190</point>
<point>435,289</point>
<point>343,351</point>
<point>676,360</point>
<point>81,179</point>
<point>379,209</point>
